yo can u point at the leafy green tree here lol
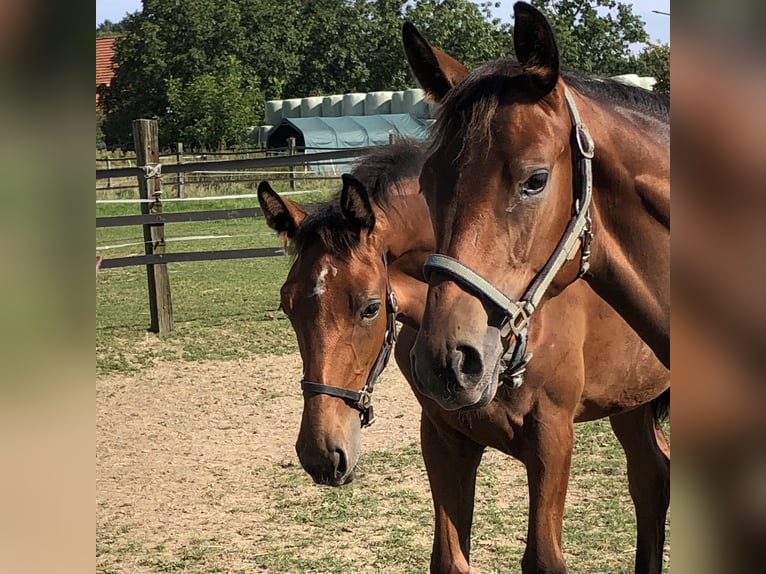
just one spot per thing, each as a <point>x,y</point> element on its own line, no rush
<point>464,29</point>
<point>655,61</point>
<point>172,44</point>
<point>332,48</point>
<point>99,128</point>
<point>214,109</point>
<point>274,33</point>
<point>595,36</point>
<point>384,54</point>
<point>109,28</point>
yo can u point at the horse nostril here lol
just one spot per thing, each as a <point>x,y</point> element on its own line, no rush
<point>341,463</point>
<point>466,360</point>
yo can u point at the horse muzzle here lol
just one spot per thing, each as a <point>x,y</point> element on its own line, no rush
<point>326,467</point>
<point>457,375</point>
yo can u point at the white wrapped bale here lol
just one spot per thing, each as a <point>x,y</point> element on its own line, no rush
<point>353,104</point>
<point>646,82</point>
<point>273,113</point>
<point>397,103</point>
<point>415,103</point>
<point>263,135</point>
<point>311,107</point>
<point>291,108</point>
<point>332,106</point>
<point>377,103</point>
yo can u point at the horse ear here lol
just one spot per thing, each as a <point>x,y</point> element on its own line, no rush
<point>435,70</point>
<point>282,215</point>
<point>355,204</point>
<point>535,46</point>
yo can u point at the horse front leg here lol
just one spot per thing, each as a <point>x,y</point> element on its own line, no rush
<point>451,460</point>
<point>547,453</point>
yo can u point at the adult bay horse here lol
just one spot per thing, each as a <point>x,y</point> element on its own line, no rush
<point>369,242</point>
<point>533,181</point>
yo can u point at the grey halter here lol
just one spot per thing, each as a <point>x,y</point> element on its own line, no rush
<point>517,313</point>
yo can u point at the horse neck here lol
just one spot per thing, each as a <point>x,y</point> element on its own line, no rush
<point>630,264</point>
<point>409,239</point>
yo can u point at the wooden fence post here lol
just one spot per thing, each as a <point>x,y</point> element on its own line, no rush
<point>180,159</point>
<point>147,147</point>
<point>109,166</point>
<point>291,151</point>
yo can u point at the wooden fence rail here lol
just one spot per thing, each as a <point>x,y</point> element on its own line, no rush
<point>235,164</point>
<point>149,171</point>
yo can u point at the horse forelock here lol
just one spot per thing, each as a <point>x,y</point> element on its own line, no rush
<point>468,110</point>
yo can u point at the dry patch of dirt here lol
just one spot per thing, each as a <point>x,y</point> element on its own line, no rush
<point>196,471</point>
<point>185,451</point>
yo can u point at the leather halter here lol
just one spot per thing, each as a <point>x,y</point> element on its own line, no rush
<point>361,400</point>
<point>517,313</point>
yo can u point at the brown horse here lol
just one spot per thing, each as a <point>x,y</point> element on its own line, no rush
<point>533,181</point>
<point>374,237</point>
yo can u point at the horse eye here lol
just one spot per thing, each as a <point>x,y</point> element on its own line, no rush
<point>535,183</point>
<point>371,310</point>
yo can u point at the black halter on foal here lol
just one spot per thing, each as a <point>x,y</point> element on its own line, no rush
<point>361,400</point>
<point>517,314</point>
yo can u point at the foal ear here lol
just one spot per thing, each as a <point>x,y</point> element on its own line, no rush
<point>355,205</point>
<point>435,70</point>
<point>282,215</point>
<point>535,46</point>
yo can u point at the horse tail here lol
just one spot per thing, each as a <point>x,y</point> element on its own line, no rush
<point>661,407</point>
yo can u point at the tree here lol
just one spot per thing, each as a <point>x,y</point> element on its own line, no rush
<point>595,36</point>
<point>655,61</point>
<point>109,28</point>
<point>190,44</point>
<point>332,48</point>
<point>464,29</point>
<point>201,116</point>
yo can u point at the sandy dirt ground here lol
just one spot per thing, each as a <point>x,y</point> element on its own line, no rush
<point>180,445</point>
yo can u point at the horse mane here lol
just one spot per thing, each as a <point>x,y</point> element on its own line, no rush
<point>469,108</point>
<point>382,172</point>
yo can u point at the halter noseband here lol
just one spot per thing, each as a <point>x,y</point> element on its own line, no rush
<point>517,314</point>
<point>361,400</point>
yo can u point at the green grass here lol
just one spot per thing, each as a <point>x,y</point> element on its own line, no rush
<point>222,309</point>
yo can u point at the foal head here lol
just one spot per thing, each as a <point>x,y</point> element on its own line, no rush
<point>499,188</point>
<point>336,299</point>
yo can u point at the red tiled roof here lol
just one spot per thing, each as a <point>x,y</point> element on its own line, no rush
<point>104,60</point>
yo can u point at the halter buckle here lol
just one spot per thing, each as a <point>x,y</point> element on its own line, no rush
<point>364,406</point>
<point>584,141</point>
<point>520,320</point>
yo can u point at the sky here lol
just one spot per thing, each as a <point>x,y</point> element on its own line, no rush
<point>657,25</point>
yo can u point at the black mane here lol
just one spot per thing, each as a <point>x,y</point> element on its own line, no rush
<point>469,108</point>
<point>381,171</point>
<point>634,97</point>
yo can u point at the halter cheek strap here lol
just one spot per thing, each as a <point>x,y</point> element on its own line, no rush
<point>578,231</point>
<point>361,400</point>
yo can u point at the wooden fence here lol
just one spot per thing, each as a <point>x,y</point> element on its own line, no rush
<point>149,172</point>
<point>208,177</point>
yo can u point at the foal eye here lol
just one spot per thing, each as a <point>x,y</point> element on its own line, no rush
<point>371,310</point>
<point>535,183</point>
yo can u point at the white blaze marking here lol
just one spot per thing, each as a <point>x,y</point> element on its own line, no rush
<point>319,287</point>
